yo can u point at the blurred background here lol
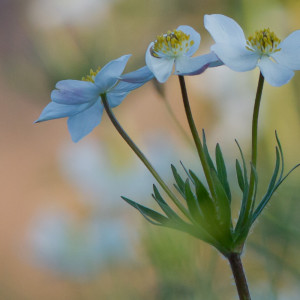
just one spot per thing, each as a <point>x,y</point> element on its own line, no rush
<point>65,233</point>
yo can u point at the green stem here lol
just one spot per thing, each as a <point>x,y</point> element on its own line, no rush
<point>142,157</point>
<point>239,276</point>
<point>196,137</point>
<point>250,201</point>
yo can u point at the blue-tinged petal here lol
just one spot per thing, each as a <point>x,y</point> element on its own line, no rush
<point>161,67</point>
<point>196,65</point>
<point>110,73</point>
<point>274,73</point>
<point>74,92</point>
<point>194,36</point>
<point>115,99</point>
<point>224,30</point>
<point>84,122</point>
<point>55,111</point>
<point>141,75</point>
<point>237,58</point>
<point>289,55</point>
<point>125,87</point>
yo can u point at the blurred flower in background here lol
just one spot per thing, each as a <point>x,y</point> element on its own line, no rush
<point>68,12</point>
<point>79,248</point>
<point>93,169</point>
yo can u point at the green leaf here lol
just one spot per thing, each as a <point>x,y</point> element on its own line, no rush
<point>267,197</point>
<point>205,202</point>
<point>245,191</point>
<point>193,203</point>
<point>221,171</point>
<point>244,166</point>
<point>273,185</point>
<point>275,173</point>
<point>148,213</point>
<point>281,155</point>
<point>206,152</point>
<point>222,202</point>
<point>239,175</point>
<point>164,206</point>
<point>179,181</point>
<point>187,173</point>
<point>255,188</point>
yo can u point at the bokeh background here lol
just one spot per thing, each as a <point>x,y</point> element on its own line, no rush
<point>65,233</point>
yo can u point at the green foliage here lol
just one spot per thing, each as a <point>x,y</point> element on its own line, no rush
<point>274,182</point>
<point>210,216</point>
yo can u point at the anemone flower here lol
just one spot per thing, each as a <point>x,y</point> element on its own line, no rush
<point>176,48</point>
<point>80,100</point>
<point>276,59</point>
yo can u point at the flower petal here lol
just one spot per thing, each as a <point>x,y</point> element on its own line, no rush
<point>141,75</point>
<point>196,65</point>
<point>224,29</point>
<point>194,36</point>
<point>115,99</point>
<point>125,87</point>
<point>289,55</point>
<point>236,57</point>
<point>161,67</point>
<point>274,73</point>
<point>110,73</point>
<point>74,92</point>
<point>83,123</point>
<point>55,111</point>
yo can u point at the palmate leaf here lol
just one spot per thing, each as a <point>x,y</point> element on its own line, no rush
<point>193,204</point>
<point>164,206</point>
<point>239,175</point>
<point>220,168</point>
<point>150,215</point>
<point>206,152</point>
<point>205,203</point>
<point>274,182</point>
<point>210,212</point>
<point>180,186</point>
<point>158,219</point>
<point>221,171</point>
<point>255,188</point>
<point>242,176</point>
<point>222,202</point>
<point>187,173</point>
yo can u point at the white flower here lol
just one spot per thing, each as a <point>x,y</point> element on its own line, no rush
<point>276,60</point>
<point>177,47</point>
<point>80,100</point>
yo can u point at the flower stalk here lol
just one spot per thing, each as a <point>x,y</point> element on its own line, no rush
<point>142,157</point>
<point>195,135</point>
<point>250,201</point>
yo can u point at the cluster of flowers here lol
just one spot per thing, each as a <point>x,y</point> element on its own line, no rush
<point>81,100</point>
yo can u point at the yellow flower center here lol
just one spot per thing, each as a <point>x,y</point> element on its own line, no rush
<point>174,43</point>
<point>91,76</point>
<point>265,42</point>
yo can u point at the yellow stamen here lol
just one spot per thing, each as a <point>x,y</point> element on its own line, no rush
<point>91,76</point>
<point>173,43</point>
<point>265,41</point>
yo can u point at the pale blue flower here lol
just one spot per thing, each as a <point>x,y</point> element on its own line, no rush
<point>176,48</point>
<point>78,247</point>
<point>80,100</point>
<point>276,60</point>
